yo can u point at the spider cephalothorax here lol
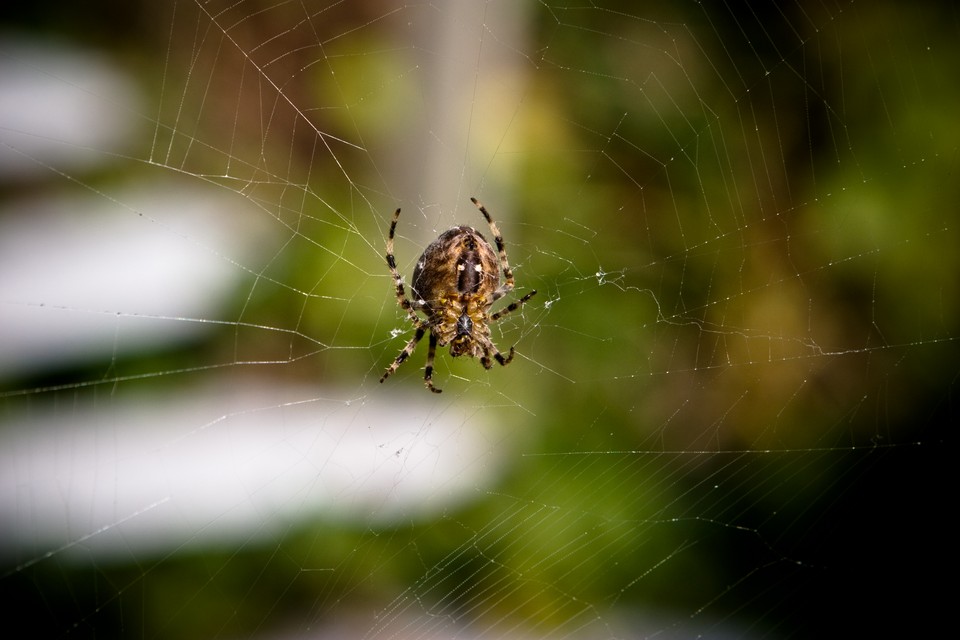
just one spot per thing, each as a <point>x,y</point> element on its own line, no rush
<point>455,282</point>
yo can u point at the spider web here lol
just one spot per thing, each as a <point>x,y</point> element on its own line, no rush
<point>728,413</point>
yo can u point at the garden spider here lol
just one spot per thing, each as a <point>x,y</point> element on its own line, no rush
<point>455,282</point>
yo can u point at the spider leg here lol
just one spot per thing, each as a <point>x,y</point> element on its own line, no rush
<point>428,370</point>
<point>513,306</point>
<point>397,278</point>
<point>501,360</point>
<point>508,284</point>
<point>407,350</point>
<point>499,357</point>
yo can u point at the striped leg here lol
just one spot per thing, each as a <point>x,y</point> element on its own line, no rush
<point>397,278</point>
<point>487,362</point>
<point>428,371</point>
<point>508,284</point>
<point>513,306</point>
<point>407,350</point>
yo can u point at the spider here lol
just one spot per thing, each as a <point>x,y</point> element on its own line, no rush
<point>455,282</point>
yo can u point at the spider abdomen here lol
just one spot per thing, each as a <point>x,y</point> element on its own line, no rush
<point>462,256</point>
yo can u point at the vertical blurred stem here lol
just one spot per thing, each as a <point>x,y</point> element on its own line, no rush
<point>473,75</point>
